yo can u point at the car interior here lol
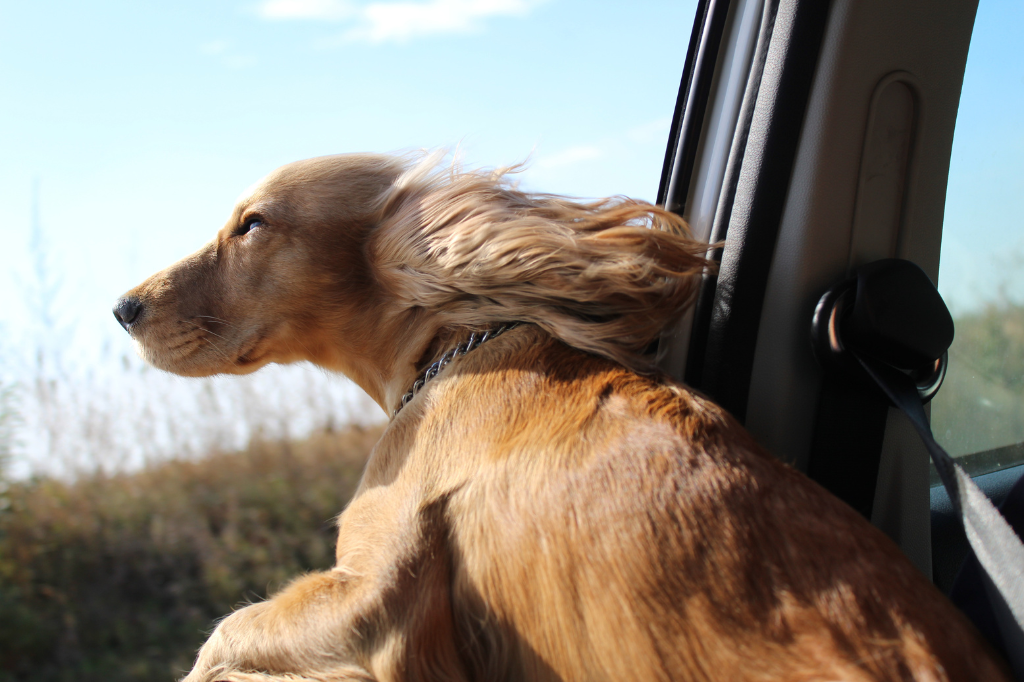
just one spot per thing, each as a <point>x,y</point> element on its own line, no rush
<point>809,139</point>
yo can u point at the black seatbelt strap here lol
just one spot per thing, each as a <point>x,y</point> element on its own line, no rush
<point>996,546</point>
<point>890,321</point>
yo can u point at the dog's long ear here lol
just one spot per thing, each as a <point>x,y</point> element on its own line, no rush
<point>606,276</point>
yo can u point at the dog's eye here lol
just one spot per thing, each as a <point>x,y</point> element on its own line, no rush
<point>249,224</point>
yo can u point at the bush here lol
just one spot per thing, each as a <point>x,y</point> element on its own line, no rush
<point>121,577</point>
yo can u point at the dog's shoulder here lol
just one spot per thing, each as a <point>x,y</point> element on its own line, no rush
<point>530,401</point>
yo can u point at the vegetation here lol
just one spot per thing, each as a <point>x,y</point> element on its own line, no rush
<point>120,577</point>
<point>980,407</point>
<point>993,340</point>
<point>8,421</point>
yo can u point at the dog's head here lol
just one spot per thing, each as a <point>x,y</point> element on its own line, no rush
<point>358,262</point>
<point>284,280</point>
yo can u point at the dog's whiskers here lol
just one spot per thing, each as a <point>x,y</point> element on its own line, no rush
<point>217,320</point>
<point>225,356</point>
<point>204,329</point>
<point>210,342</point>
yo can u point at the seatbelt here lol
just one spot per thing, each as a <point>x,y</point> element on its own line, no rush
<point>897,329</point>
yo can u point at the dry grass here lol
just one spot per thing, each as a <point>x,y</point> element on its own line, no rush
<point>119,577</point>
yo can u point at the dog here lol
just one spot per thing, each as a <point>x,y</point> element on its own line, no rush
<point>543,504</point>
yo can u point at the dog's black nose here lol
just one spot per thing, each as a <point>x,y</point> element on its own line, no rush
<point>127,311</point>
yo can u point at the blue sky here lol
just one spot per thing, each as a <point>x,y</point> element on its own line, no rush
<point>143,121</point>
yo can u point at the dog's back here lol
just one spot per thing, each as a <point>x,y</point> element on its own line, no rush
<point>622,527</point>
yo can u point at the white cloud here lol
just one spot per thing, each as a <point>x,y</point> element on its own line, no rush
<point>400,21</point>
<point>644,135</point>
<point>330,10</point>
<point>570,156</point>
<point>382,22</point>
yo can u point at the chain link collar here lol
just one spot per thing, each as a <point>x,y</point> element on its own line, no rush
<point>475,340</point>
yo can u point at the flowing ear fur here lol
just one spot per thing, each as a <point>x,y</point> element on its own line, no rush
<point>605,276</point>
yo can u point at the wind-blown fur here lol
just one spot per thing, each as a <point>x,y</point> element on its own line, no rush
<point>605,276</point>
<point>547,507</point>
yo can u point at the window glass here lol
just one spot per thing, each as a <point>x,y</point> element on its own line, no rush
<point>978,415</point>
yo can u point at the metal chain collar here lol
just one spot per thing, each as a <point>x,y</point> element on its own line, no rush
<point>475,340</point>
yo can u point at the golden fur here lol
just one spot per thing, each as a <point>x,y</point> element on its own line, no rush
<point>547,507</point>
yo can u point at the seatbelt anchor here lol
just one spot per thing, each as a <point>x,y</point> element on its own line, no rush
<point>890,311</point>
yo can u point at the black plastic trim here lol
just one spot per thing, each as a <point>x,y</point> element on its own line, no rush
<point>691,103</point>
<point>846,448</point>
<point>985,462</point>
<point>705,303</point>
<point>751,235</point>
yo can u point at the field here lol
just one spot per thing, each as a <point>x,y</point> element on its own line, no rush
<point>120,577</point>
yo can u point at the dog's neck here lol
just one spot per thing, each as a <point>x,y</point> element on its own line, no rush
<point>389,371</point>
<point>436,363</point>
